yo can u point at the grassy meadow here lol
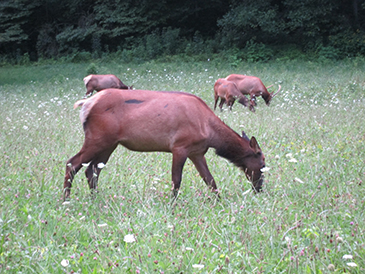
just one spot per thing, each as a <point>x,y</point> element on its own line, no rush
<point>309,219</point>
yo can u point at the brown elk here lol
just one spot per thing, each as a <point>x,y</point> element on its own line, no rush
<point>146,121</point>
<point>253,86</point>
<point>228,92</point>
<point>99,82</point>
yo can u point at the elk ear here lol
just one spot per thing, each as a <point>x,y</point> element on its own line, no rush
<point>255,145</point>
<point>244,136</point>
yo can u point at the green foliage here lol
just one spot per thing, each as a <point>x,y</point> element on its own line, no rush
<point>146,30</point>
<point>328,53</point>
<point>256,52</point>
<point>249,19</point>
<point>92,69</point>
<point>14,15</point>
<point>349,43</point>
<point>290,52</point>
<point>80,56</point>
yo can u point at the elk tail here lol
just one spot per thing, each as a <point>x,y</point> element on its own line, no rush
<point>277,91</point>
<point>87,105</point>
<point>79,103</point>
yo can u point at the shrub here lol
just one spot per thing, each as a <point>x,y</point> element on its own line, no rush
<point>256,52</point>
<point>328,53</point>
<point>349,43</point>
<point>92,69</point>
<point>79,57</point>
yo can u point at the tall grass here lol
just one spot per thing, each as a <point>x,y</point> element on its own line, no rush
<point>309,216</point>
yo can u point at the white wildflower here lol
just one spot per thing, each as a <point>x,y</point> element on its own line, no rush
<point>199,266</point>
<point>140,213</point>
<point>347,257</point>
<point>65,203</point>
<point>65,263</point>
<point>298,180</point>
<point>129,238</point>
<point>247,191</point>
<point>352,264</point>
<point>289,155</point>
<point>189,248</point>
<point>293,160</point>
<point>102,225</point>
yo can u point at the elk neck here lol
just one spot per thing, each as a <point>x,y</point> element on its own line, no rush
<point>231,146</point>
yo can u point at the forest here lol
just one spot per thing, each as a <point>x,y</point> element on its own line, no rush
<point>255,30</point>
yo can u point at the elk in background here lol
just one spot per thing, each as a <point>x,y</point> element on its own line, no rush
<point>103,81</point>
<point>228,92</point>
<point>253,86</point>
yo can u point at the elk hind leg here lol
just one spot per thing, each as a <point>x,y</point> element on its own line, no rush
<point>223,100</point>
<point>72,167</point>
<point>96,165</point>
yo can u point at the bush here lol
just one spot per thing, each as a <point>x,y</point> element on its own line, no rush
<point>154,46</point>
<point>92,69</point>
<point>328,53</point>
<point>79,57</point>
<point>349,43</point>
<point>257,52</point>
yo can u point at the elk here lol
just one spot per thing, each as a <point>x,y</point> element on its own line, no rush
<point>228,92</point>
<point>146,121</point>
<point>99,82</point>
<point>253,86</point>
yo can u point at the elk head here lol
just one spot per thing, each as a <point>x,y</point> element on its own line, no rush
<point>270,95</point>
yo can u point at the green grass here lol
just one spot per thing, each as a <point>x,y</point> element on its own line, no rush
<point>309,216</point>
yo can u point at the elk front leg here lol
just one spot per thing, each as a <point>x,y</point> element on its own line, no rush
<point>253,103</point>
<point>202,167</point>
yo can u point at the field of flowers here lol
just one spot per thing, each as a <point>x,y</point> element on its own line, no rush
<point>309,219</point>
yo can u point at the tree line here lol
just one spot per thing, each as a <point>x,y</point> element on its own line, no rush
<point>150,28</point>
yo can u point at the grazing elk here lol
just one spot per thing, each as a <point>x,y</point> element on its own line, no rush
<point>145,121</point>
<point>99,82</point>
<point>228,92</point>
<point>253,86</point>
